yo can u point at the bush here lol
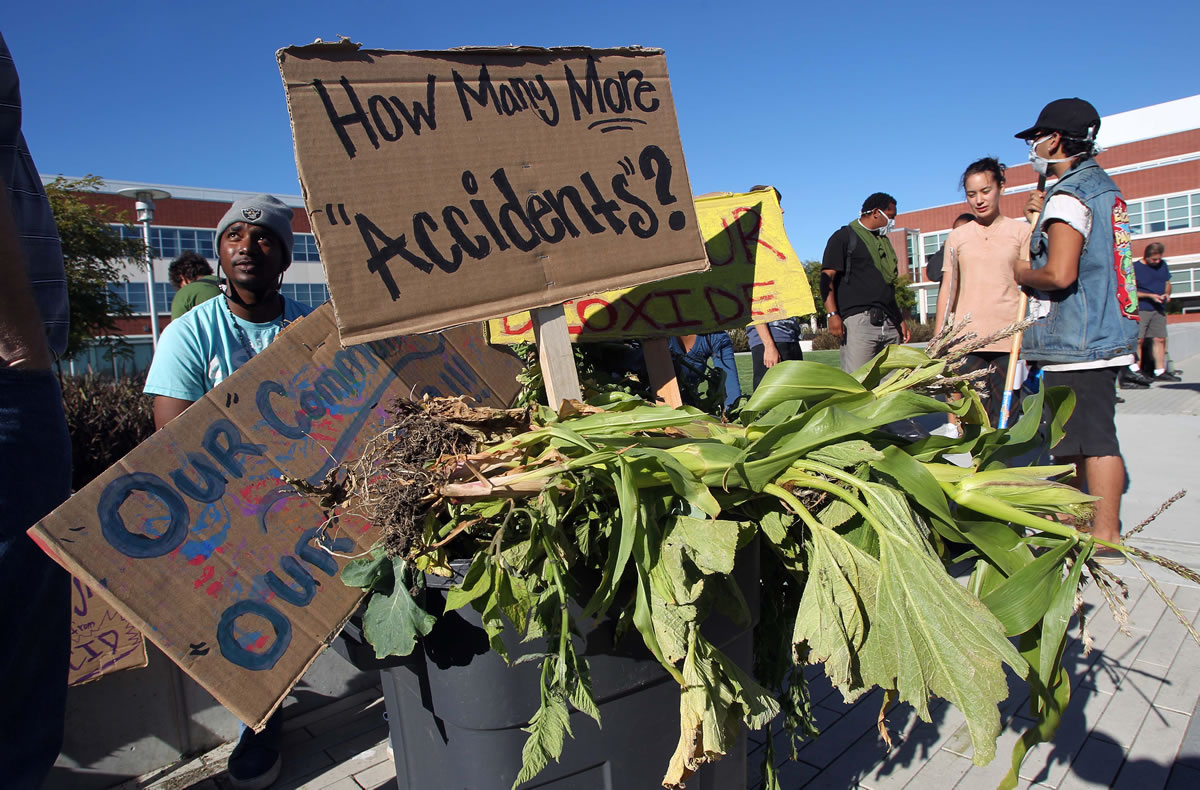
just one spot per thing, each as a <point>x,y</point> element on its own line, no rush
<point>106,418</point>
<point>741,341</point>
<point>921,333</point>
<point>825,341</point>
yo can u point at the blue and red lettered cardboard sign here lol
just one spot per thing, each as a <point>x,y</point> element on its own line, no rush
<point>197,540</point>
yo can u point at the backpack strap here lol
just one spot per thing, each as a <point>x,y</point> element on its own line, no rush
<point>851,246</point>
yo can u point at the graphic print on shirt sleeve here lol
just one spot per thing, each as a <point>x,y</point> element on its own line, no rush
<point>1123,261</point>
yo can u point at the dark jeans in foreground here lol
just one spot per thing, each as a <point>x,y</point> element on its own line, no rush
<point>35,600</point>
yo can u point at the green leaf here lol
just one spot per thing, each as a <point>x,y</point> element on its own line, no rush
<point>710,543</point>
<point>393,622</point>
<point>547,730</point>
<point>913,478</point>
<point>476,584</point>
<point>1058,615</point>
<point>764,460</point>
<point>846,454</point>
<point>797,380</point>
<point>836,608</point>
<point>1021,600</point>
<point>683,481</point>
<point>366,571</point>
<point>929,635</point>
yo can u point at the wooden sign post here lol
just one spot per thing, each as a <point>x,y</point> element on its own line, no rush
<point>556,356</point>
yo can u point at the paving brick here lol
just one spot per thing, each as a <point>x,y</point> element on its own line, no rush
<point>345,783</point>
<point>1187,597</point>
<point>1180,691</point>
<point>378,774</point>
<point>325,711</point>
<point>869,763</point>
<point>300,764</point>
<point>364,708</point>
<point>1048,763</point>
<point>1112,662</point>
<point>1164,641</point>
<point>371,745</point>
<point>1146,612</point>
<point>1097,762</point>
<point>1129,706</point>
<point>1183,778</point>
<point>345,769</point>
<point>944,769</point>
<point>843,730</point>
<point>983,776</point>
<point>1148,761</point>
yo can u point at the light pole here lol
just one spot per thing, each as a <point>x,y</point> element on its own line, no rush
<point>145,198</point>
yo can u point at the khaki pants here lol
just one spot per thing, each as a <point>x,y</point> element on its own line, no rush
<point>862,341</point>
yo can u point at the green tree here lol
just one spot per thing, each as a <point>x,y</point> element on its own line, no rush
<point>812,269</point>
<point>94,256</point>
<point>906,298</point>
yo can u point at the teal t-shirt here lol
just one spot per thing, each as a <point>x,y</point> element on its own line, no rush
<point>199,350</point>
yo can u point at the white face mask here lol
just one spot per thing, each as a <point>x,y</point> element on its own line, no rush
<point>1041,165</point>
<point>886,229</point>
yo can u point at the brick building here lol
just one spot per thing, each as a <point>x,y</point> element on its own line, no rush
<point>185,221</point>
<point>1153,154</point>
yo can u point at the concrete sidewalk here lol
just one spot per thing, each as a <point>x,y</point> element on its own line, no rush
<point>1134,695</point>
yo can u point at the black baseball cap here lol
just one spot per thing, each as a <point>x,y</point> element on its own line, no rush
<point>1074,118</point>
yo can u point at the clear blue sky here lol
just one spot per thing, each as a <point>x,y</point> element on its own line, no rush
<point>829,103</point>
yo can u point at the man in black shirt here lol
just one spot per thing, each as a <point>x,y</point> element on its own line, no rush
<point>858,283</point>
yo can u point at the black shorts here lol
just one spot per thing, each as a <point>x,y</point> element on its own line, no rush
<point>1091,430</point>
<point>993,387</point>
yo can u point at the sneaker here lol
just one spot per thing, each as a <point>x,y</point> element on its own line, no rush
<point>255,762</point>
<point>1131,380</point>
<point>1106,556</point>
<point>1167,376</point>
<point>1120,399</point>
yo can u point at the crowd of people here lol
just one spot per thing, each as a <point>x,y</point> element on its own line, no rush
<point>1093,314</point>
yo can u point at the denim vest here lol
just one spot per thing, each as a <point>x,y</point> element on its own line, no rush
<point>1095,317</point>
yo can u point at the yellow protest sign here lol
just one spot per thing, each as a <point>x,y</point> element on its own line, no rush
<point>755,277</point>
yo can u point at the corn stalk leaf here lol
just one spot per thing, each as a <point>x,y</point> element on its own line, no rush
<point>1022,599</point>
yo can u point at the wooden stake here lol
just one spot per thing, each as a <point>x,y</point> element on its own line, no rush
<point>661,369</point>
<point>1013,355</point>
<point>555,355</point>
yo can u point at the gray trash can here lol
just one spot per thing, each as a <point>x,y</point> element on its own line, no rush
<point>456,710</point>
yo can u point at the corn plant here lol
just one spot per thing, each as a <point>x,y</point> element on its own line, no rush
<point>622,509</point>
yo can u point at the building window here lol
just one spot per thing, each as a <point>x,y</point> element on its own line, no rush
<point>134,295</point>
<point>304,248</point>
<point>311,294</point>
<point>172,242</point>
<point>1159,215</point>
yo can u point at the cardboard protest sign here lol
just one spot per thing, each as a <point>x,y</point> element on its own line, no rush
<point>450,187</point>
<point>196,538</point>
<point>102,641</point>
<point>755,277</point>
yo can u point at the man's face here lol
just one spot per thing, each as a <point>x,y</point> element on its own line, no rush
<point>1154,259</point>
<point>252,258</point>
<point>881,216</point>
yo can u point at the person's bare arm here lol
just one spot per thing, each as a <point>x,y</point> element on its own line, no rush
<point>1062,268</point>
<point>836,328</point>
<point>770,350</point>
<point>167,409</point>
<point>23,343</point>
